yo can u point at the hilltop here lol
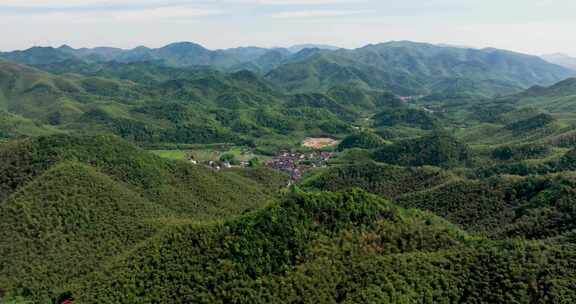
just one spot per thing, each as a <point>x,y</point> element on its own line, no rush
<point>171,106</point>
<point>69,205</point>
<point>404,67</point>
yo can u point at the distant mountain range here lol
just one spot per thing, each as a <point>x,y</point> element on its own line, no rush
<point>402,67</point>
<point>175,54</point>
<point>299,47</point>
<point>562,60</point>
<point>410,68</point>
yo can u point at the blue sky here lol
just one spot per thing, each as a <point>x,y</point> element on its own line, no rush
<point>531,26</point>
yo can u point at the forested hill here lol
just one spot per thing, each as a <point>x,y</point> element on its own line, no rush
<point>417,68</point>
<point>405,68</point>
<point>70,205</point>
<point>348,247</point>
<point>559,98</point>
<point>152,104</point>
<point>386,174</point>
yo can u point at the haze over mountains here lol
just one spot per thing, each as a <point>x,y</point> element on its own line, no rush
<point>403,67</point>
<point>562,60</point>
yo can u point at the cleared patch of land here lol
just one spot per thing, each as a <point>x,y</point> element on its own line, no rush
<point>319,142</point>
<point>170,154</point>
<point>204,154</point>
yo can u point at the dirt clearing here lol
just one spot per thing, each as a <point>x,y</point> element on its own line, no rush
<point>319,142</point>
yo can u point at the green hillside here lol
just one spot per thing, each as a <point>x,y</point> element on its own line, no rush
<point>406,117</point>
<point>184,189</point>
<point>362,140</point>
<point>403,67</point>
<point>533,207</point>
<point>348,247</point>
<point>320,72</point>
<point>409,68</point>
<point>385,180</point>
<point>437,150</point>
<point>70,205</point>
<point>199,108</point>
<point>557,98</point>
<point>499,207</point>
<point>66,223</point>
<point>182,174</point>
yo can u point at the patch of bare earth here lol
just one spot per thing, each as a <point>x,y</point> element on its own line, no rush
<point>319,142</point>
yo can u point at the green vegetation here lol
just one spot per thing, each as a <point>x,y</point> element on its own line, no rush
<point>437,150</point>
<point>409,68</point>
<point>70,204</point>
<point>536,122</point>
<point>363,140</point>
<point>385,180</point>
<point>410,117</point>
<point>202,108</point>
<point>183,188</point>
<point>439,192</point>
<point>171,154</point>
<point>348,247</point>
<point>523,152</point>
<point>501,207</point>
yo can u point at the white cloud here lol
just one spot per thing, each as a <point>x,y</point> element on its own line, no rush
<point>317,13</point>
<point>80,3</point>
<point>303,2</point>
<point>167,12</point>
<point>536,26</point>
<point>48,10</point>
<point>63,3</point>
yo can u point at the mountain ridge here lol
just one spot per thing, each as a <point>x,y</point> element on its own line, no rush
<point>376,66</point>
<point>561,59</point>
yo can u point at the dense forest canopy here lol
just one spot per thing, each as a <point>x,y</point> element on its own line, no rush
<point>399,172</point>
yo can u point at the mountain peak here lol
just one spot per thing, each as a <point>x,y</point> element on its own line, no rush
<point>65,47</point>
<point>299,47</point>
<point>184,45</point>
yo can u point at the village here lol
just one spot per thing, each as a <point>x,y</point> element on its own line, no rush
<point>294,163</point>
<point>297,163</point>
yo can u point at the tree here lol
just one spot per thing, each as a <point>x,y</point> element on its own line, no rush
<point>227,157</point>
<point>254,162</point>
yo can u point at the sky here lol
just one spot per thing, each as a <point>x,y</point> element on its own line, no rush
<point>529,26</point>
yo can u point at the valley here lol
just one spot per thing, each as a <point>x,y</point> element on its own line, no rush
<point>399,172</point>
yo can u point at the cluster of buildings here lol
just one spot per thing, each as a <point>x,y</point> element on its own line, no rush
<point>406,98</point>
<point>218,165</point>
<point>297,163</point>
<point>409,98</point>
<point>293,163</point>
